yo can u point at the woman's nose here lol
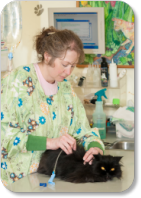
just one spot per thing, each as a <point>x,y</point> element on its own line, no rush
<point>68,70</point>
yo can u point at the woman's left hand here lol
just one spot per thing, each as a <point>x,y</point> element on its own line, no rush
<point>88,157</point>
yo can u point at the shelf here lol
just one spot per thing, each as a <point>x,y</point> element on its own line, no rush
<point>93,105</point>
<point>91,86</point>
<point>88,89</point>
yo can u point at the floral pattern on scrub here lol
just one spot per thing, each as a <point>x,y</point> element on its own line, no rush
<point>25,109</point>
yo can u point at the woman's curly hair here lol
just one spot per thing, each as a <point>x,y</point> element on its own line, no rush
<point>56,43</point>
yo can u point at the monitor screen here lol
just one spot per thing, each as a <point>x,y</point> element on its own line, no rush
<point>88,25</point>
<point>83,24</point>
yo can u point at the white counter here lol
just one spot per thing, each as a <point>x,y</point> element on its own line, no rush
<point>31,182</point>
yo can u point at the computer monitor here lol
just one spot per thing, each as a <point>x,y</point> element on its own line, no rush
<point>87,23</point>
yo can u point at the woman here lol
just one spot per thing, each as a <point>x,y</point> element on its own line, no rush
<point>40,109</point>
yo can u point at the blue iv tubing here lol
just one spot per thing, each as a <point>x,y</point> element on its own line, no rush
<point>10,56</point>
<point>50,181</point>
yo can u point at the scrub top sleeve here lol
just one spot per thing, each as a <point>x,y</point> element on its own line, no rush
<point>95,144</point>
<point>13,134</point>
<point>89,137</point>
<point>36,143</point>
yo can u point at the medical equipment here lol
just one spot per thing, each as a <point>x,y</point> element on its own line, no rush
<point>99,117</point>
<point>50,181</point>
<point>11,26</point>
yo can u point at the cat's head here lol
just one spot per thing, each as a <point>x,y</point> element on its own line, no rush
<point>107,166</point>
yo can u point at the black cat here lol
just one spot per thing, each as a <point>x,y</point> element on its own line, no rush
<point>71,168</point>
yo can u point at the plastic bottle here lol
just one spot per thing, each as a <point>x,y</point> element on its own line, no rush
<point>11,23</point>
<point>11,28</point>
<point>99,117</point>
<point>96,77</point>
<point>104,73</point>
<point>89,75</point>
<point>113,74</point>
<point>81,80</point>
<point>121,74</point>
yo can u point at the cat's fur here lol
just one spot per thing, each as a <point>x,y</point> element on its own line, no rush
<point>71,168</point>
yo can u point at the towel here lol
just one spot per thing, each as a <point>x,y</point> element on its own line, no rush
<point>124,119</point>
<point>124,113</point>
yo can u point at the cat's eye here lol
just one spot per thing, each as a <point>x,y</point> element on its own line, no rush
<point>102,168</point>
<point>112,169</point>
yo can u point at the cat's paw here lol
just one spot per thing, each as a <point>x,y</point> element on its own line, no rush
<point>38,10</point>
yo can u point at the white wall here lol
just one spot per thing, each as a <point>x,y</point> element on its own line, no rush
<point>130,84</point>
<point>32,24</point>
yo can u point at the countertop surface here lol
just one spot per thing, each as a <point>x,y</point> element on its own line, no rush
<point>31,183</point>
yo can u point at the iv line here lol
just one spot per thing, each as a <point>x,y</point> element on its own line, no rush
<point>50,181</point>
<point>57,161</point>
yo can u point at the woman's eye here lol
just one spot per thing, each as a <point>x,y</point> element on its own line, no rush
<point>72,66</point>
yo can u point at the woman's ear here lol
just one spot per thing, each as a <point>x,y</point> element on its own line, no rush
<point>47,57</point>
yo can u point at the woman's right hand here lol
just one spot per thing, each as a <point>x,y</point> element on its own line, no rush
<point>66,142</point>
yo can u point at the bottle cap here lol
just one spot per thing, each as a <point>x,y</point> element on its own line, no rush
<point>112,63</point>
<point>43,184</point>
<point>104,63</point>
<point>101,93</point>
<point>116,101</point>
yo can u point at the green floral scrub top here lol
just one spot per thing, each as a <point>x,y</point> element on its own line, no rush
<point>26,110</point>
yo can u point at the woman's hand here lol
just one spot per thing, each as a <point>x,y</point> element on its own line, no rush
<point>88,157</point>
<point>66,142</point>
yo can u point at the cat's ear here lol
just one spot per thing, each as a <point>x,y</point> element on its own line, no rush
<point>97,157</point>
<point>118,158</point>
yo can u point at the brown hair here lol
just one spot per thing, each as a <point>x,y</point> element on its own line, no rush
<point>56,43</point>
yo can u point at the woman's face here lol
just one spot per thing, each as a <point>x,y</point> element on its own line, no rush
<point>63,67</point>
